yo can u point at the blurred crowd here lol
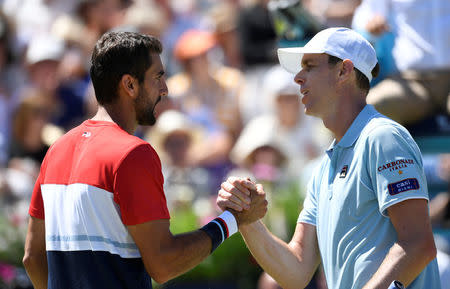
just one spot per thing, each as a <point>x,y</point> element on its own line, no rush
<point>230,110</point>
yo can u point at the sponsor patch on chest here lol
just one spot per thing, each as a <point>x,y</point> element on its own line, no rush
<point>403,186</point>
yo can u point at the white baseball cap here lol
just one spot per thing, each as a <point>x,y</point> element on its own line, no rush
<point>340,42</point>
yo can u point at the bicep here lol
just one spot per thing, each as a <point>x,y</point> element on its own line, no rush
<point>151,238</point>
<point>411,219</point>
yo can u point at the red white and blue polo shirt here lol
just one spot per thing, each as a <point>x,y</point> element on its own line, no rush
<point>94,181</point>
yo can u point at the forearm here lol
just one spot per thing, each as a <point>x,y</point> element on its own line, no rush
<point>404,263</point>
<point>286,263</point>
<point>184,253</point>
<point>37,270</point>
<point>180,253</point>
<point>35,257</point>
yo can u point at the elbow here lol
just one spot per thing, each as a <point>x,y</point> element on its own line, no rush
<point>161,276</point>
<point>430,250</point>
<point>425,250</point>
<point>26,260</point>
<point>29,261</point>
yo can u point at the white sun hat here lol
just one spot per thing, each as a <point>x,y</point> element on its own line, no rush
<point>340,42</point>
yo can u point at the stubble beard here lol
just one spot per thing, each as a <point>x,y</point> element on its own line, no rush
<point>145,112</point>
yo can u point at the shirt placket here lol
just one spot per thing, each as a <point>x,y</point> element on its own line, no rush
<point>332,171</point>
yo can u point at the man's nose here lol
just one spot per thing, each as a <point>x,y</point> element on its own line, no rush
<point>164,89</point>
<point>299,78</point>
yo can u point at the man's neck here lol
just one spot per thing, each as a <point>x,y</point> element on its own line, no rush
<point>341,121</point>
<point>112,114</point>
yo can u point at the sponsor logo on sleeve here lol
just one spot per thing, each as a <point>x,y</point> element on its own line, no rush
<point>396,165</point>
<point>403,186</point>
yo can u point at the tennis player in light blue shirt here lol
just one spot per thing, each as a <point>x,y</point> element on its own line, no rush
<point>375,165</point>
<point>365,217</point>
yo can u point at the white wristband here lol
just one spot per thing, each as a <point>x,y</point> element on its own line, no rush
<point>230,221</point>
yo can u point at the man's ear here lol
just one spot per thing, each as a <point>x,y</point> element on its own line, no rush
<point>346,69</point>
<point>129,85</point>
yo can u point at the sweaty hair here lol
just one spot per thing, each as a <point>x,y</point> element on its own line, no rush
<point>361,80</point>
<point>117,54</point>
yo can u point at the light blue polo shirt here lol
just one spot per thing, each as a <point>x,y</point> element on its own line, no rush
<point>375,165</point>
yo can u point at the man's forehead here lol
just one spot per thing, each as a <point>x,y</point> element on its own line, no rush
<point>313,57</point>
<point>156,63</point>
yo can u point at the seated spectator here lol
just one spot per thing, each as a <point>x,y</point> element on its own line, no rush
<point>420,29</point>
<point>173,136</point>
<point>207,93</point>
<point>260,155</point>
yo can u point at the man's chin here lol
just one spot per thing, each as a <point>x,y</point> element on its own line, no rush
<point>148,121</point>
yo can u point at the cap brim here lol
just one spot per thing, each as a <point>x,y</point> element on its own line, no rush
<point>291,58</point>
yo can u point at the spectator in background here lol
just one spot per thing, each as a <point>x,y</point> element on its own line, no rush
<point>256,35</point>
<point>173,137</point>
<point>421,30</point>
<point>208,93</point>
<point>11,76</point>
<point>31,139</point>
<point>333,13</point>
<point>147,17</point>
<point>34,17</point>
<point>258,43</point>
<point>53,71</point>
<point>43,56</point>
<point>29,121</point>
<point>223,16</point>
<point>302,136</point>
<point>99,16</point>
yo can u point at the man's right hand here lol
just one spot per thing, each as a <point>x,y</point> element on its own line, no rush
<point>246,200</point>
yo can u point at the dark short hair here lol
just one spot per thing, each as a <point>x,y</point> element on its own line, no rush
<point>117,54</point>
<point>361,80</point>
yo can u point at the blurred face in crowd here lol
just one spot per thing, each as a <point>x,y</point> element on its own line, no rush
<point>288,109</point>
<point>198,66</point>
<point>44,75</point>
<point>317,81</point>
<point>177,145</point>
<point>151,90</point>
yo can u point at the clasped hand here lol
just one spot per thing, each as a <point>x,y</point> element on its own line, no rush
<point>245,199</point>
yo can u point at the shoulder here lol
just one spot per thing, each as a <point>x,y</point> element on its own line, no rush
<point>384,136</point>
<point>381,129</point>
<point>66,140</point>
<point>141,155</point>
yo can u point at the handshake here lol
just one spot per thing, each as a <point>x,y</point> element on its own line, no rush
<point>244,199</point>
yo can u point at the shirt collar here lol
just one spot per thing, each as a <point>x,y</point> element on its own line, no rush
<point>352,134</point>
